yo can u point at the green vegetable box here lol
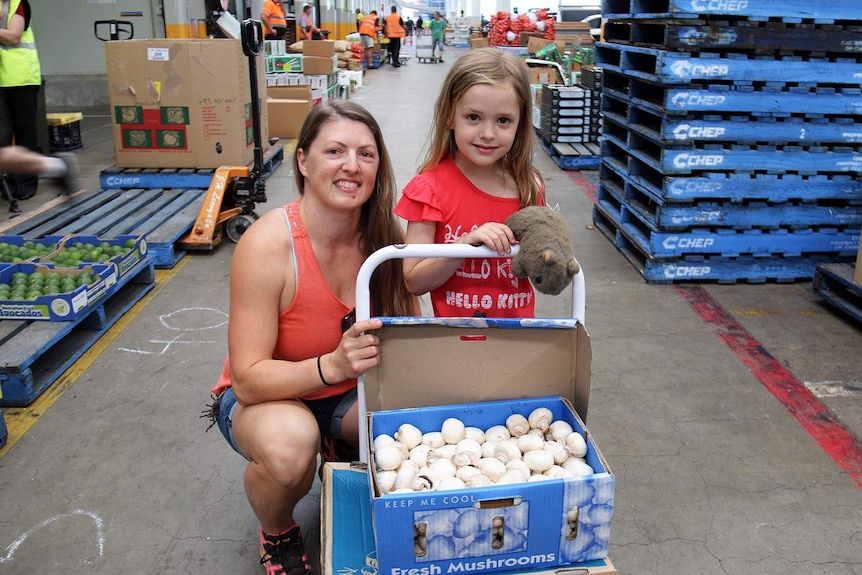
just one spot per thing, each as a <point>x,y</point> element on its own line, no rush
<point>124,252</point>
<point>35,291</point>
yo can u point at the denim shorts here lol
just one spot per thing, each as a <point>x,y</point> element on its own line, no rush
<point>329,413</point>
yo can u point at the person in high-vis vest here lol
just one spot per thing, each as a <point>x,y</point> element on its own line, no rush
<point>274,20</point>
<point>367,32</point>
<point>307,29</point>
<point>20,80</point>
<point>394,30</point>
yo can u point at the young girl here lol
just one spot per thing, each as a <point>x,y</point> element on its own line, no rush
<point>477,173</point>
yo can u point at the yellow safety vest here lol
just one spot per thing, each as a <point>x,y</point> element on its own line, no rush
<point>19,64</point>
<point>394,29</point>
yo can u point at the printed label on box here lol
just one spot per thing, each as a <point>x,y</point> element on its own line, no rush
<point>158,54</point>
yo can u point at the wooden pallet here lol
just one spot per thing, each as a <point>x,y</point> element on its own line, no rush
<point>35,353</point>
<point>162,216</point>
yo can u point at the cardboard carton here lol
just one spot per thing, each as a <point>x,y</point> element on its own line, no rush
<point>492,368</point>
<point>319,48</point>
<point>347,537</point>
<point>182,103</point>
<point>479,42</point>
<point>287,108</point>
<point>316,65</point>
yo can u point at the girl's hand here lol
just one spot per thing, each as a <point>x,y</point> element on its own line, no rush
<point>497,236</point>
<point>356,353</point>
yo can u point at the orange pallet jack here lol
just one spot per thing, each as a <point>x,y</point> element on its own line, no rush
<point>228,206</point>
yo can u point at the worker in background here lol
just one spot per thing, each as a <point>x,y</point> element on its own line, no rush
<point>367,32</point>
<point>359,17</point>
<point>307,29</point>
<point>20,80</point>
<point>274,20</point>
<point>438,31</point>
<point>393,28</point>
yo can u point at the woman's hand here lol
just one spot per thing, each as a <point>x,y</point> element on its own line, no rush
<point>356,353</point>
<point>497,236</point>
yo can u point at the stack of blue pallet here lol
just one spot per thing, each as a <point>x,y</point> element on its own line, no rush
<point>732,136</point>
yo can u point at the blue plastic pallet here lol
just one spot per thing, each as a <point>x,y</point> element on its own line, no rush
<point>176,178</point>
<point>834,283</point>
<point>619,141</point>
<point>573,156</point>
<point>741,216</point>
<point>665,67</point>
<point>744,101</point>
<point>729,186</point>
<point>723,270</point>
<point>743,35</point>
<point>676,130</point>
<point>723,241</point>
<point>35,353</point>
<point>162,216</point>
<point>4,434</point>
<point>819,11</point>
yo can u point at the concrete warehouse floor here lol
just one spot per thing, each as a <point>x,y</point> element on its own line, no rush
<point>716,470</point>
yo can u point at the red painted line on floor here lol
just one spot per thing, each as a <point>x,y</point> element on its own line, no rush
<point>835,439</point>
<point>583,184</point>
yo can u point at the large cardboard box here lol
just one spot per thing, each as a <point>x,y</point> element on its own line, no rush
<point>346,532</point>
<point>462,368</point>
<point>182,103</point>
<point>287,108</point>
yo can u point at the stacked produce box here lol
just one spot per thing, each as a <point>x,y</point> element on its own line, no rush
<point>731,137</point>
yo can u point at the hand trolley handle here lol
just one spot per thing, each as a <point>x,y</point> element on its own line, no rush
<point>455,251</point>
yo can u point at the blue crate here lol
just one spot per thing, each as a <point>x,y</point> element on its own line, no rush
<point>666,67</point>
<point>717,186</point>
<point>821,11</point>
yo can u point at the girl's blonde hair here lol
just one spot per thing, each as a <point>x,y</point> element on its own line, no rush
<point>492,67</point>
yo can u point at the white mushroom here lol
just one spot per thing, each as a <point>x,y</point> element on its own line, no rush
<point>388,457</point>
<point>453,430</point>
<point>576,444</point>
<point>467,452</point>
<point>540,418</point>
<point>538,460</point>
<point>530,442</point>
<point>409,435</point>
<point>497,433</point>
<point>560,429</point>
<point>507,450</point>
<point>475,434</point>
<point>492,467</point>
<point>433,439</point>
<point>517,425</point>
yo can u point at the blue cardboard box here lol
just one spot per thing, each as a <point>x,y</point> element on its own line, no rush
<point>347,537</point>
<point>480,371</point>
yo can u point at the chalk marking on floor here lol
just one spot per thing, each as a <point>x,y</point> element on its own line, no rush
<point>19,420</point>
<point>100,533</point>
<point>163,319</point>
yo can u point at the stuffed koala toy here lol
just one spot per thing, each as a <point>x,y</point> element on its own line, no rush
<point>545,255</point>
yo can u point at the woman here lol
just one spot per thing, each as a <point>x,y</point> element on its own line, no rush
<point>294,353</point>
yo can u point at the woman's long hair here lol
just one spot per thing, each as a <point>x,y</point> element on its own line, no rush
<point>492,67</point>
<point>378,225</point>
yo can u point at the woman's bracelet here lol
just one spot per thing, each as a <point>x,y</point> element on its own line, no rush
<point>320,373</point>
